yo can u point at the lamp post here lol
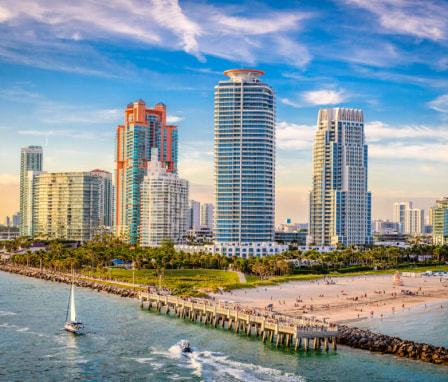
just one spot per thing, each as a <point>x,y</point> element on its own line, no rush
<point>133,278</point>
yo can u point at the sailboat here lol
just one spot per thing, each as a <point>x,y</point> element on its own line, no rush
<point>72,325</point>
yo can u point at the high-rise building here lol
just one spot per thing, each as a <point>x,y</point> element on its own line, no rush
<point>340,205</point>
<point>244,158</point>
<point>414,221</point>
<point>411,220</point>
<point>7,221</point>
<point>30,160</point>
<point>16,219</point>
<point>439,221</point>
<point>164,205</point>
<point>143,130</point>
<point>400,214</point>
<point>66,205</point>
<point>207,215</point>
<point>106,197</point>
<point>194,216</point>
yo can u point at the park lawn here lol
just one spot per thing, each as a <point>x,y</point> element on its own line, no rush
<point>184,280</point>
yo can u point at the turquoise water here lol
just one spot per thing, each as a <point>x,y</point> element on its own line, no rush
<point>125,343</point>
<point>422,324</point>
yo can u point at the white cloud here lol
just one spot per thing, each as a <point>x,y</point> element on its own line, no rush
<point>324,97</point>
<point>75,134</point>
<point>291,136</point>
<point>318,97</point>
<point>173,119</point>
<point>414,152</point>
<point>423,19</point>
<point>440,103</point>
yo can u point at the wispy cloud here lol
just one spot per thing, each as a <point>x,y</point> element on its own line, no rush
<point>54,35</point>
<point>440,103</point>
<point>423,19</point>
<point>378,131</point>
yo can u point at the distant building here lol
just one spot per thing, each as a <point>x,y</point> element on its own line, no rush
<point>16,219</point>
<point>207,215</point>
<point>164,205</point>
<point>439,215</point>
<point>194,217</point>
<point>7,221</point>
<point>106,198</point>
<point>385,226</point>
<point>200,234</point>
<point>340,203</point>
<point>244,250</point>
<point>410,220</point>
<point>66,205</point>
<point>245,109</point>
<point>30,160</point>
<point>144,129</point>
<point>291,232</point>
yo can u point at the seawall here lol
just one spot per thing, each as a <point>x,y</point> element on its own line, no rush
<point>376,342</point>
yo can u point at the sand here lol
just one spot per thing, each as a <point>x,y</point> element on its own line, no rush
<point>349,298</point>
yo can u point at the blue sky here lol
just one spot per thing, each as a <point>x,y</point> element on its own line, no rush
<point>67,71</point>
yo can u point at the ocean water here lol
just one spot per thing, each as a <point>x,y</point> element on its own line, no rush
<point>421,324</point>
<point>125,343</point>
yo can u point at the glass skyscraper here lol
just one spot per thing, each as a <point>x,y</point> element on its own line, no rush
<point>30,160</point>
<point>244,158</point>
<point>340,205</point>
<point>144,129</point>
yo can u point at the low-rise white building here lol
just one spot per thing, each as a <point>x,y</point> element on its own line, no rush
<point>258,249</point>
<point>164,205</point>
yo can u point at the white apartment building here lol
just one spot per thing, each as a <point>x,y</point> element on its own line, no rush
<point>411,220</point>
<point>207,210</point>
<point>340,203</point>
<point>194,216</point>
<point>164,205</point>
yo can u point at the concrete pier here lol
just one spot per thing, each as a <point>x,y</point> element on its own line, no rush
<point>284,330</point>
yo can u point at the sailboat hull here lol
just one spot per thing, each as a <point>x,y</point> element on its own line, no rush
<point>74,327</point>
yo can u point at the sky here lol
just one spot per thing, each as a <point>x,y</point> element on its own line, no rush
<point>68,70</point>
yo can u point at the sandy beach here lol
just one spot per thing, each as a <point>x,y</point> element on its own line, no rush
<point>343,299</point>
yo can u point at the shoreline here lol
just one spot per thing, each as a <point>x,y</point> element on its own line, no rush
<point>344,299</point>
<point>350,336</point>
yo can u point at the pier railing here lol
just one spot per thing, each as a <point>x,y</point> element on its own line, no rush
<point>272,325</point>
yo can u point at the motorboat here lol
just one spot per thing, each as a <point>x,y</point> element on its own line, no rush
<point>184,346</point>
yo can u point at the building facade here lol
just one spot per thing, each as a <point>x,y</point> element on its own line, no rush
<point>164,205</point>
<point>439,221</point>
<point>207,215</point>
<point>16,219</point>
<point>66,205</point>
<point>144,129</point>
<point>194,216</point>
<point>106,198</point>
<point>31,158</point>
<point>414,221</point>
<point>340,204</point>
<point>245,111</point>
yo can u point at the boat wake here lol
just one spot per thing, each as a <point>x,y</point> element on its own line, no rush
<point>209,366</point>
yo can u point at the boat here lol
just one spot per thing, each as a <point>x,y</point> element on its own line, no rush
<point>73,325</point>
<point>184,346</point>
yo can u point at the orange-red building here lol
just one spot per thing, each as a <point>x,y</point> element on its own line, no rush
<point>144,129</point>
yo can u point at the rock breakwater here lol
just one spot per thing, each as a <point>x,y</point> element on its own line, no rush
<point>376,342</point>
<point>48,276</point>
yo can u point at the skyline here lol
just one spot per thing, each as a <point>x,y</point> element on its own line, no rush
<point>66,86</point>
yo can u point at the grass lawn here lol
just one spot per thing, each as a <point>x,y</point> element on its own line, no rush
<point>184,281</point>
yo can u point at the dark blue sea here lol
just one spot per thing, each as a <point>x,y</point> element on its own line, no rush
<point>125,343</point>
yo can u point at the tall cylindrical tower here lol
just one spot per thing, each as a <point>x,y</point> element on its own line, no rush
<point>244,158</point>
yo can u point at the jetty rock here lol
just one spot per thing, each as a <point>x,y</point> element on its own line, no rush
<point>377,342</point>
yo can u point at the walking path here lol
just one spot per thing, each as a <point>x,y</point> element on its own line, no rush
<point>242,277</point>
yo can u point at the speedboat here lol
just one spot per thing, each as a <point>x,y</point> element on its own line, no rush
<point>184,346</point>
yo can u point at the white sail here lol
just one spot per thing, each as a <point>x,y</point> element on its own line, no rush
<point>72,306</point>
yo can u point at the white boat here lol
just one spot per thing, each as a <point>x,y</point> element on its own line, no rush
<point>73,325</point>
<point>184,346</point>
